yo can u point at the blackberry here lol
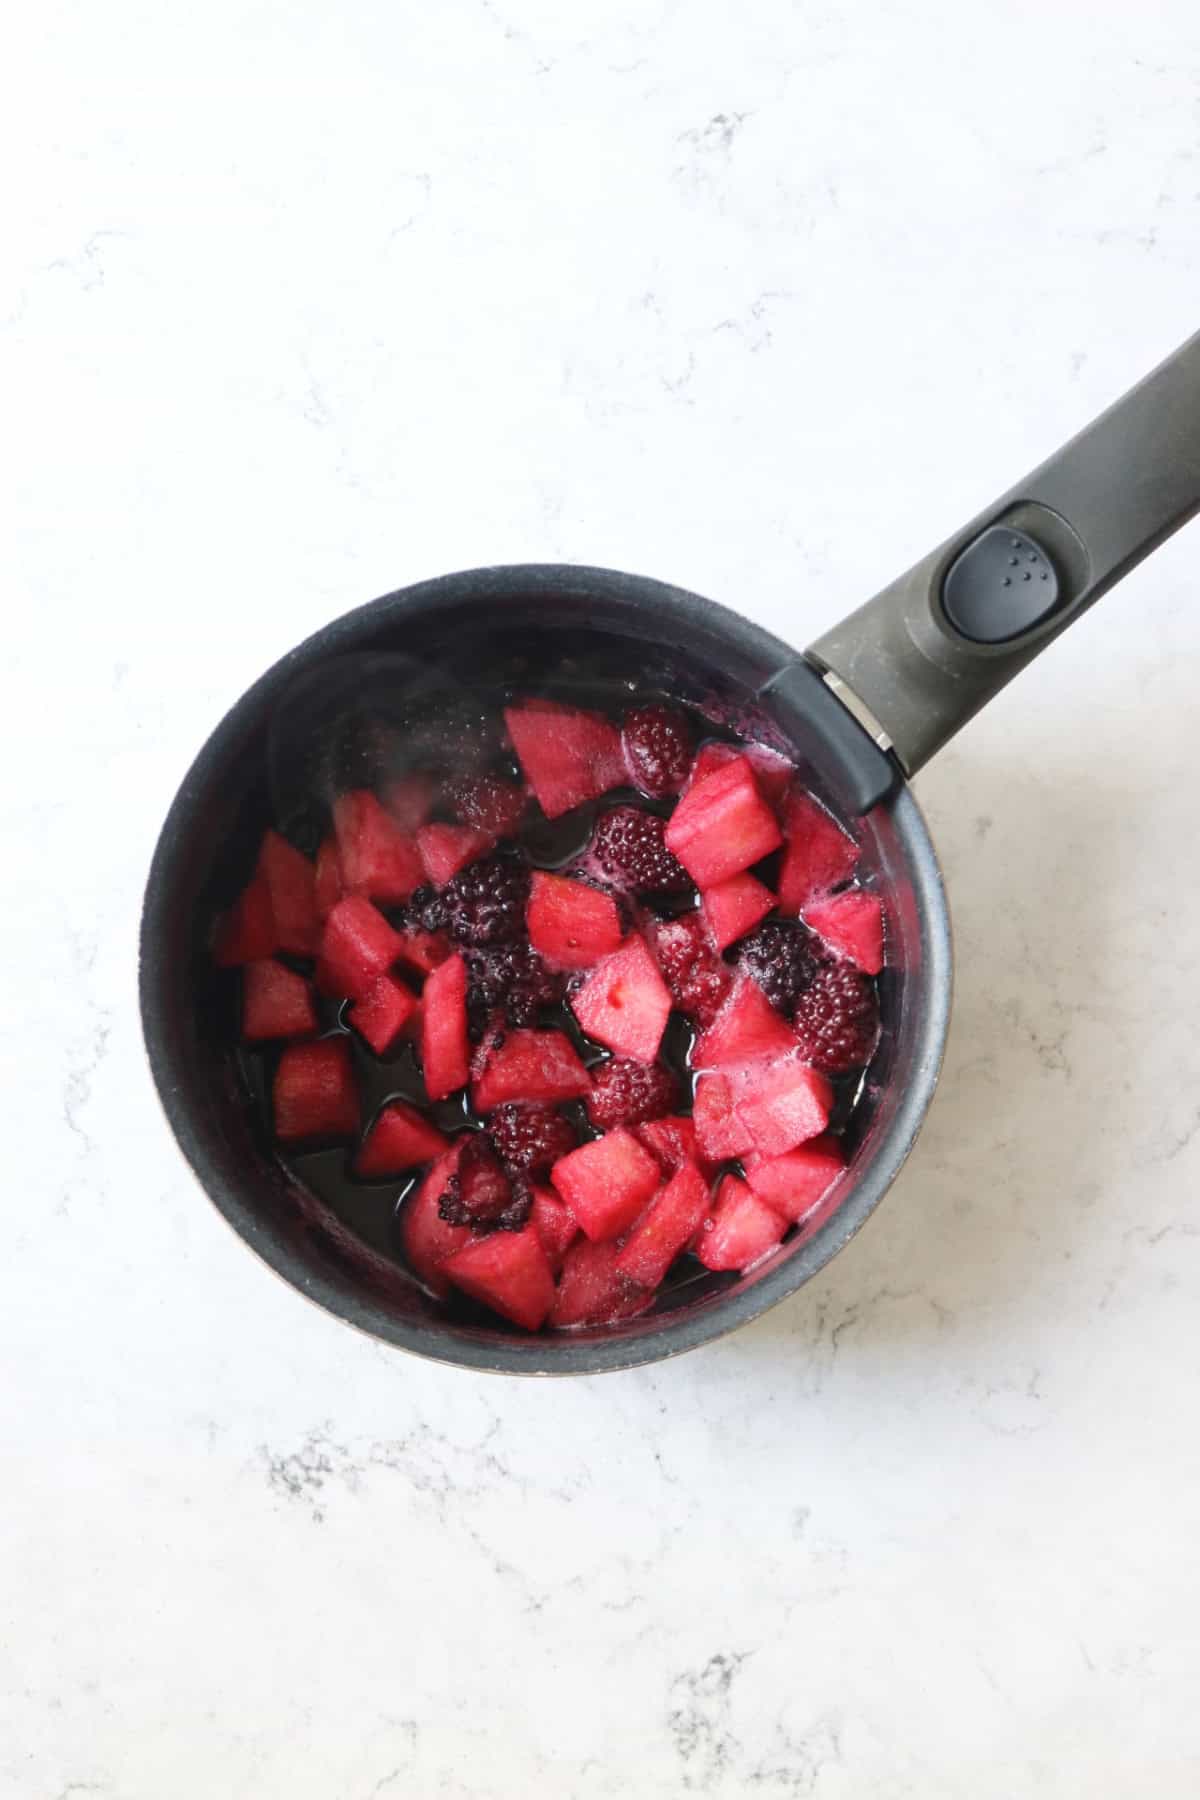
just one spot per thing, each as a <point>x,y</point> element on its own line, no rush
<point>691,968</point>
<point>530,1137</point>
<point>782,958</point>
<point>488,1033</point>
<point>519,1207</point>
<point>630,1093</point>
<point>510,979</point>
<point>479,1192</point>
<point>837,1018</point>
<point>658,748</point>
<point>628,845</point>
<point>485,902</point>
<point>426,910</point>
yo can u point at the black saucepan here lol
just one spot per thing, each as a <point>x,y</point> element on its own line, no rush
<point>866,706</point>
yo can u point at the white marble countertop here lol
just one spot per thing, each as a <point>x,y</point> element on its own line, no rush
<point>300,303</point>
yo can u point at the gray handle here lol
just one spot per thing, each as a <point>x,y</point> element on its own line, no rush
<point>924,655</point>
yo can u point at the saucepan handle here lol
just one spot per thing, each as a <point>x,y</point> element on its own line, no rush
<point>921,658</point>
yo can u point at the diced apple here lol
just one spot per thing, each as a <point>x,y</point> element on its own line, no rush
<point>425,1237</point>
<point>665,1228</point>
<point>624,1003</point>
<point>568,756</point>
<point>746,1029</point>
<point>607,1182</point>
<point>722,825</point>
<point>314,1095</point>
<point>376,858</point>
<point>276,1003</point>
<point>591,1289</point>
<point>507,1271</point>
<point>852,923</point>
<point>571,923</point>
<point>399,1139</point>
<point>445,849</point>
<point>741,1230</point>
<point>445,1056</point>
<point>357,947</point>
<point>528,1065</point>
<point>781,1104</point>
<point>796,1181</point>
<point>386,1010</point>
<point>818,854</point>
<point>735,907</point>
<point>554,1223</point>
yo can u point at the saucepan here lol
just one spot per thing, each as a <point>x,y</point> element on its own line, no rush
<point>861,710</point>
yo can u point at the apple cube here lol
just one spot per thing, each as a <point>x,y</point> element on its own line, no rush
<point>819,855</point>
<point>746,1029</point>
<point>384,1012</point>
<point>624,1003</point>
<point>568,756</point>
<point>400,1138</point>
<point>445,849</point>
<point>665,1228</point>
<point>781,1104</point>
<point>291,883</point>
<point>276,1003</point>
<point>445,1057</point>
<point>425,1237</point>
<point>357,947</point>
<point>794,1182</point>
<point>672,1140</point>
<point>591,1289</point>
<point>607,1182</point>
<point>571,923</point>
<point>327,882</point>
<point>313,1095</point>
<point>377,859</point>
<point>735,907</point>
<point>507,1271</point>
<point>740,1230</point>
<point>423,951</point>
<point>247,932</point>
<point>528,1065</point>
<point>554,1223</point>
<point>772,771</point>
<point>852,923</point>
<point>722,825</point>
<point>720,1133</point>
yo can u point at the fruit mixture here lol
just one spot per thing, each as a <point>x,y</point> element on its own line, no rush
<point>605,1064</point>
